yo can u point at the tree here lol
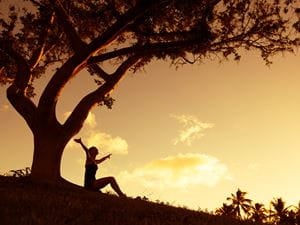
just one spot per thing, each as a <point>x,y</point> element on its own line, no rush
<point>258,213</point>
<point>225,210</point>
<point>280,212</point>
<point>240,204</point>
<point>70,37</point>
<point>297,214</point>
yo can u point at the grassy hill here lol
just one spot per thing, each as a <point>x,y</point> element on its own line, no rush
<point>23,202</point>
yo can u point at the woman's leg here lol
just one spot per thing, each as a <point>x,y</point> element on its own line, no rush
<point>102,182</point>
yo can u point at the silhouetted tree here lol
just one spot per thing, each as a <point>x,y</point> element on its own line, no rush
<point>292,216</point>
<point>225,210</point>
<point>65,38</point>
<point>279,212</point>
<point>240,203</point>
<point>258,213</point>
<point>297,214</point>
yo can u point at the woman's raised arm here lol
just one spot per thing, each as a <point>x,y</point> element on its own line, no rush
<point>78,140</point>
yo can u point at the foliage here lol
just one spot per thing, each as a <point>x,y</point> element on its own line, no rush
<point>239,205</point>
<point>258,213</point>
<point>225,210</point>
<point>278,214</point>
<point>185,32</point>
<point>19,173</point>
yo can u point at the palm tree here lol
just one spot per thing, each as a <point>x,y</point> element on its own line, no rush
<point>294,215</point>
<point>225,210</point>
<point>240,203</point>
<point>298,213</point>
<point>297,217</point>
<point>258,213</point>
<point>280,212</point>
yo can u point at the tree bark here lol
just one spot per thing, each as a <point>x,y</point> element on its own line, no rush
<point>49,144</point>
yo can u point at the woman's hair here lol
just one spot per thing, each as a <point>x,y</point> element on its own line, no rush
<point>93,149</point>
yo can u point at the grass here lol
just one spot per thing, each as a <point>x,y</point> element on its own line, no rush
<point>23,202</point>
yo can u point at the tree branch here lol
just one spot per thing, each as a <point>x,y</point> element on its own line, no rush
<point>76,43</point>
<point>167,47</point>
<point>40,51</point>
<point>198,28</point>
<point>23,74</point>
<point>23,105</point>
<point>146,49</point>
<point>36,3</point>
<point>130,16</point>
<point>75,121</point>
<point>94,68</point>
<point>50,95</point>
<point>16,92</point>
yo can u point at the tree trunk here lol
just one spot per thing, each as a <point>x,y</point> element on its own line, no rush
<point>49,144</point>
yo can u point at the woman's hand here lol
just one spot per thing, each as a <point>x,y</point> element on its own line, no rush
<point>78,140</point>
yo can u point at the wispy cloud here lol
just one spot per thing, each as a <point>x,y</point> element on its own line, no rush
<point>92,136</point>
<point>192,129</point>
<point>179,171</point>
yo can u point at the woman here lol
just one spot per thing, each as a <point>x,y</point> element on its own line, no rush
<point>91,166</point>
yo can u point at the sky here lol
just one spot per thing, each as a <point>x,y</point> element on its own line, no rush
<point>189,136</point>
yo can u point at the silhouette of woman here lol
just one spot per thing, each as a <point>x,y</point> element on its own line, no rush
<point>91,166</point>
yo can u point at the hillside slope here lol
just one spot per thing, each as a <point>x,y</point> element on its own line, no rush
<point>23,202</point>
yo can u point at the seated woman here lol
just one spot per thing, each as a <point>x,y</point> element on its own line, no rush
<point>91,166</point>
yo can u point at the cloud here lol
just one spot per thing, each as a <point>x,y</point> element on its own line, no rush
<point>107,143</point>
<point>91,136</point>
<point>192,129</point>
<point>179,171</point>
<point>90,120</point>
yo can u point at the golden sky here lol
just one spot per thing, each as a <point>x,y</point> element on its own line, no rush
<point>190,136</point>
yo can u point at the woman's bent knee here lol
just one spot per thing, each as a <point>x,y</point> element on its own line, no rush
<point>111,179</point>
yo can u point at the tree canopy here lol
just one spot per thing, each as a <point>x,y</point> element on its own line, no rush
<point>61,37</point>
<point>45,33</point>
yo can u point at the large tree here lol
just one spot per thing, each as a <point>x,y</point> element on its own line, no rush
<point>62,37</point>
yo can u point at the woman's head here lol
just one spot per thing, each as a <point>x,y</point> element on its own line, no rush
<point>93,151</point>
